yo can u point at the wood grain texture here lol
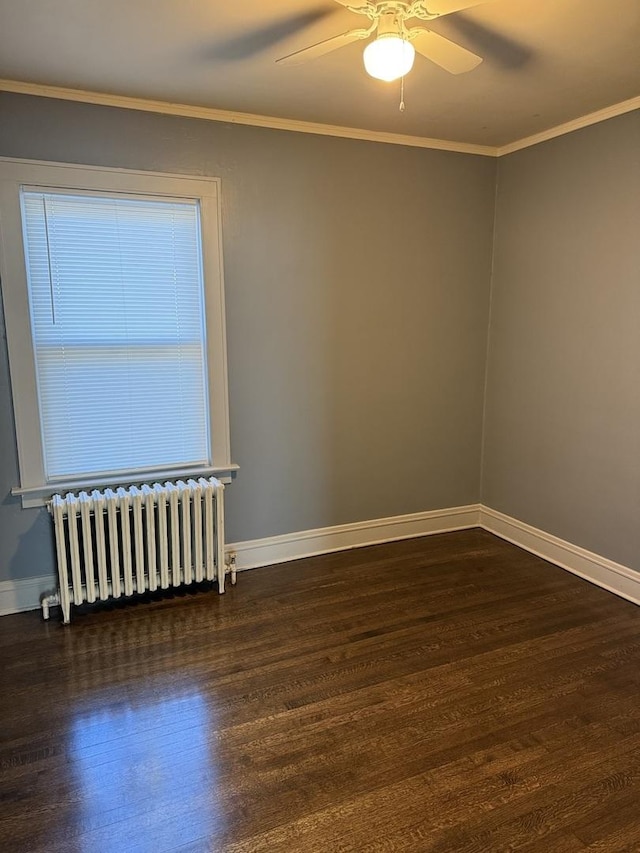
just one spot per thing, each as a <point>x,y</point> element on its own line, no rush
<point>452,693</point>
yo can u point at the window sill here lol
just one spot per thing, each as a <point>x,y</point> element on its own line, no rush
<point>36,496</point>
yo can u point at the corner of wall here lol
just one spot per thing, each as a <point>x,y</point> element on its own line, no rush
<point>489,324</point>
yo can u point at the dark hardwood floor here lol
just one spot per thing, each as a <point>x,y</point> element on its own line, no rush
<point>451,693</point>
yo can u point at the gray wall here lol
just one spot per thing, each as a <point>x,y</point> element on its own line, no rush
<point>562,429</point>
<point>357,287</point>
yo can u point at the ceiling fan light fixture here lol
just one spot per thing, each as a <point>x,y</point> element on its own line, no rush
<point>388,57</point>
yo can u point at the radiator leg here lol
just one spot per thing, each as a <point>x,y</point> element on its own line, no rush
<point>232,568</point>
<point>66,611</point>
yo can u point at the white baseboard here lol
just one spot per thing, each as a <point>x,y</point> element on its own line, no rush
<point>16,596</point>
<point>611,576</point>
<point>19,595</point>
<point>309,543</point>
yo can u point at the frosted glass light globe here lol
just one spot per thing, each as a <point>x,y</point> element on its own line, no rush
<point>388,57</point>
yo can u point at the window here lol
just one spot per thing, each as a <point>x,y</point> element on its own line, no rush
<point>112,286</point>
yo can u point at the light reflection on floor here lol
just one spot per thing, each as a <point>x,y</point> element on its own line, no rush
<point>153,758</point>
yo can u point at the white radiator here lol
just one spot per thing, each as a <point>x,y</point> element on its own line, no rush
<point>119,542</point>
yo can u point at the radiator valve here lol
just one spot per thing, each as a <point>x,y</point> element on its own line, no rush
<point>48,601</point>
<point>231,567</point>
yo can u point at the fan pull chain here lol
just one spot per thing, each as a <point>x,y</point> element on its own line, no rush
<point>402,94</point>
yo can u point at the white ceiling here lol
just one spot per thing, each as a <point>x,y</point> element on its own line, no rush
<point>546,62</point>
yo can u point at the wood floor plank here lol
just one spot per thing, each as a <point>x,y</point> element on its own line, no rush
<point>451,693</point>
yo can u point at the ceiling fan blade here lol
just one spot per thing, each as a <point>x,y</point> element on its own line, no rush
<point>500,49</point>
<point>254,41</point>
<point>447,54</point>
<point>322,47</point>
<point>448,7</point>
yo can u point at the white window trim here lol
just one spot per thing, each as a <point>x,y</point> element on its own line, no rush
<point>14,173</point>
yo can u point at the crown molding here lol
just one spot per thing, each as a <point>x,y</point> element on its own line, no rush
<point>210,114</point>
<point>275,123</point>
<point>569,126</point>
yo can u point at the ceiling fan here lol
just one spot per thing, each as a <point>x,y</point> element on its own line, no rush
<point>391,54</point>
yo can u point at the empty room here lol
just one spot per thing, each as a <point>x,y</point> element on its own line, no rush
<point>320,426</point>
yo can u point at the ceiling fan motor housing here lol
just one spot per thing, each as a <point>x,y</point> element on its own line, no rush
<point>398,8</point>
<point>391,24</point>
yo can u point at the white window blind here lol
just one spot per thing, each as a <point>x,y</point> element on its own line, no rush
<point>118,326</point>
